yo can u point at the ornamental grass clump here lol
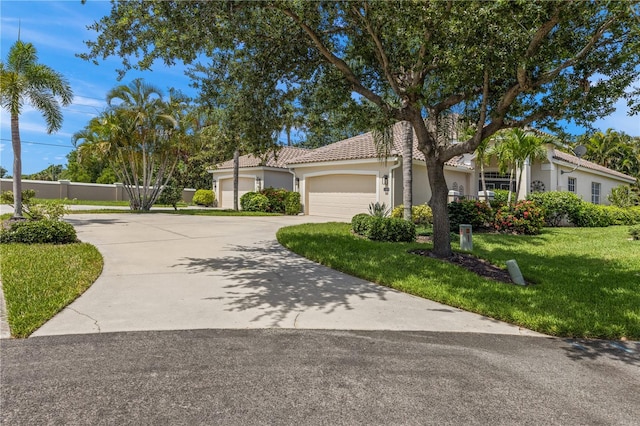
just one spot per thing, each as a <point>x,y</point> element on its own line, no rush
<point>525,217</point>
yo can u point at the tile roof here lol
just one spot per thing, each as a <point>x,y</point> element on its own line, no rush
<point>363,147</point>
<point>563,156</point>
<point>279,159</point>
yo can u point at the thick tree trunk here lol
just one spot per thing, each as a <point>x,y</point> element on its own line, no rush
<point>17,167</point>
<point>407,170</point>
<point>236,168</point>
<point>438,203</point>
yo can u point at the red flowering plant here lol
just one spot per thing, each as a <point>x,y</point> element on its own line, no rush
<point>524,217</point>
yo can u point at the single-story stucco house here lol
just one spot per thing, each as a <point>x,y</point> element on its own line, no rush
<point>343,178</point>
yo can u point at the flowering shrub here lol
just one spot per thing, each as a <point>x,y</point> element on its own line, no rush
<point>276,199</point>
<point>478,214</point>
<point>524,217</point>
<point>420,214</point>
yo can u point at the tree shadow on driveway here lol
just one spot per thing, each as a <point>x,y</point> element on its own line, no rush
<point>276,282</point>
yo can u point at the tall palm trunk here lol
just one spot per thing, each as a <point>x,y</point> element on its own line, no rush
<point>511,171</point>
<point>236,168</point>
<point>484,184</point>
<point>17,166</point>
<point>407,170</point>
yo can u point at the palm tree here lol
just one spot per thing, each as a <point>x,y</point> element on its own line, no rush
<point>140,136</point>
<point>514,148</point>
<point>23,79</point>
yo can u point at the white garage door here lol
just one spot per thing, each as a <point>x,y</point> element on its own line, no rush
<point>340,195</point>
<point>226,191</point>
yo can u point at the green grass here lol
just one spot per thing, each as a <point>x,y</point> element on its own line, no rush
<point>587,280</point>
<point>40,279</point>
<point>76,202</point>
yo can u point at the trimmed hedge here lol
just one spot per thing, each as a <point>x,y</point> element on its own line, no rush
<point>254,202</point>
<point>45,231</point>
<point>420,214</point>
<point>292,204</point>
<point>378,228</point>
<point>204,197</point>
<point>525,217</point>
<point>556,205</point>
<point>478,214</point>
<point>276,199</point>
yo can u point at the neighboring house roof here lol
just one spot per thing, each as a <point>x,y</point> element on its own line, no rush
<point>363,147</point>
<point>563,156</point>
<point>278,159</point>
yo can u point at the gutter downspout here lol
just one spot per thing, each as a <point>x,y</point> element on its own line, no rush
<point>392,181</point>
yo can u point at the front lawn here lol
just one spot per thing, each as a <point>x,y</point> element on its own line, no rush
<point>40,279</point>
<point>587,280</point>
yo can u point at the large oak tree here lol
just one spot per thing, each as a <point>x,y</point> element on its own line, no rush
<point>502,64</point>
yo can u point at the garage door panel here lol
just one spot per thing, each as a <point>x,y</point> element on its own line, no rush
<point>226,190</point>
<point>341,195</point>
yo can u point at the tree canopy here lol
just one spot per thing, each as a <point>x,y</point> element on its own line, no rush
<point>500,64</point>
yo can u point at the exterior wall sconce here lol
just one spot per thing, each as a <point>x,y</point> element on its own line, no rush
<point>215,185</point>
<point>385,180</point>
<point>258,183</point>
<point>297,188</point>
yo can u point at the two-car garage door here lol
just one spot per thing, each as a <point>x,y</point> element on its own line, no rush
<point>342,195</point>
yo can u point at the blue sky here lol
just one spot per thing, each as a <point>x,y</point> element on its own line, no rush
<point>58,29</point>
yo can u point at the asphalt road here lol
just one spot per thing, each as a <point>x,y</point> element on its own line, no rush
<point>278,376</point>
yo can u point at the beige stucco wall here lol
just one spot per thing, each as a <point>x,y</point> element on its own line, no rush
<point>393,169</point>
<point>278,179</point>
<point>554,180</point>
<point>372,168</point>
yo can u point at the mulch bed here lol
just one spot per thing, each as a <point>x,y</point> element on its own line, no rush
<point>478,266</point>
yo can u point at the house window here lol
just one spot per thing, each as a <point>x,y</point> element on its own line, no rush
<point>572,185</point>
<point>595,192</point>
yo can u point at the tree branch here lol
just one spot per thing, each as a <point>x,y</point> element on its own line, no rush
<point>337,62</point>
<point>380,53</point>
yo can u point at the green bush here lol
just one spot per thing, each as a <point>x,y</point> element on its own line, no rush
<point>556,205</point>
<point>292,204</point>
<point>44,209</point>
<point>360,223</point>
<point>171,195</point>
<point>204,197</point>
<point>45,231</point>
<point>500,197</point>
<point>478,214</point>
<point>525,217</point>
<point>276,198</point>
<point>623,196</point>
<point>254,202</point>
<point>635,233</point>
<point>391,229</point>
<point>590,216</point>
<point>379,228</point>
<point>420,214</point>
<point>620,216</point>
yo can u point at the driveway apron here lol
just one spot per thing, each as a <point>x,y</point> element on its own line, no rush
<point>170,272</point>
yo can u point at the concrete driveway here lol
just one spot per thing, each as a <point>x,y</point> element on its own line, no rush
<point>168,272</point>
